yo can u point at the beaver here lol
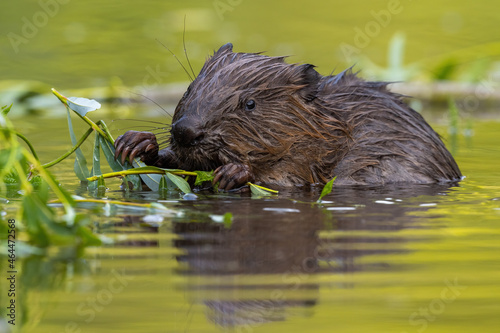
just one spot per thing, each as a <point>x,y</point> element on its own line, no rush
<point>255,118</point>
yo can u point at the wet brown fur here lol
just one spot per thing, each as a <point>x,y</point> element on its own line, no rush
<point>306,128</point>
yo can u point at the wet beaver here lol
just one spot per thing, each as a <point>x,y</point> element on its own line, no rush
<point>252,117</point>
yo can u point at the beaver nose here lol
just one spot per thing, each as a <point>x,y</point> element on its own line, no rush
<point>186,132</point>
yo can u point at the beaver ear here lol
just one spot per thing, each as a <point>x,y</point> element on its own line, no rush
<point>309,78</point>
<point>224,48</point>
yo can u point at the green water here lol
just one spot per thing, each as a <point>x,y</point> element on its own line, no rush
<point>85,43</point>
<point>414,259</point>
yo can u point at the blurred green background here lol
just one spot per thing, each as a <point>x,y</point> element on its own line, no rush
<point>74,44</point>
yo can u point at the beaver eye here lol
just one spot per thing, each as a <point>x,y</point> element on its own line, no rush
<point>250,105</point>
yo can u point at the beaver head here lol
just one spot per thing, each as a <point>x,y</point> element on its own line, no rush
<point>250,109</point>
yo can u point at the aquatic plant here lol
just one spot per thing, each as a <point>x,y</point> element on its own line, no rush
<point>24,179</point>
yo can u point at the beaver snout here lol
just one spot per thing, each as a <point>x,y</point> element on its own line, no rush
<point>186,132</point>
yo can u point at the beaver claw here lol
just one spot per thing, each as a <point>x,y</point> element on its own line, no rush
<point>232,176</point>
<point>137,144</point>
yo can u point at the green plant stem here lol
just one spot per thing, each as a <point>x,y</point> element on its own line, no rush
<point>104,127</point>
<point>28,143</point>
<point>139,172</point>
<point>93,125</point>
<point>78,144</point>
<point>112,202</point>
<point>65,200</point>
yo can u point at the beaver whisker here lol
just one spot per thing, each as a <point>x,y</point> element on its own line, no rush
<point>164,134</point>
<point>184,45</point>
<point>177,59</point>
<point>152,101</point>
<point>141,120</point>
<point>149,128</point>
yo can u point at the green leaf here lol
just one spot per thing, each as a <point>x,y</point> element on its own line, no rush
<point>34,216</point>
<point>258,191</point>
<point>96,162</point>
<point>5,109</point>
<point>261,190</point>
<point>36,182</point>
<point>43,191</point>
<point>81,169</point>
<point>151,180</point>
<point>180,182</point>
<point>163,184</point>
<point>82,105</point>
<point>203,176</point>
<point>228,220</point>
<point>63,195</point>
<point>327,189</point>
<point>445,70</point>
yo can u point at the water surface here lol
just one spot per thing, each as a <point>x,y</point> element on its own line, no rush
<point>383,259</point>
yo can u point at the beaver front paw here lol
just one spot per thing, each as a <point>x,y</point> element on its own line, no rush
<point>137,144</point>
<point>233,176</point>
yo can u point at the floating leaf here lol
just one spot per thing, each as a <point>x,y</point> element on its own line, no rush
<point>326,190</point>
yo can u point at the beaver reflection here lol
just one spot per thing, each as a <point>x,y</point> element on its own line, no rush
<point>266,263</point>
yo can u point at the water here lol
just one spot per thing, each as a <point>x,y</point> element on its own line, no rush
<point>84,44</point>
<point>409,259</point>
<point>412,259</point>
